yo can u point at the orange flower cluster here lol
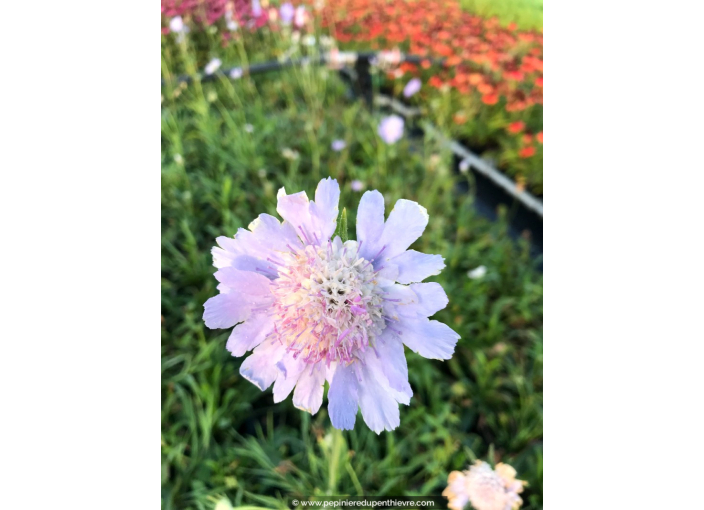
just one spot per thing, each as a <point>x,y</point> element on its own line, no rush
<point>480,55</point>
<point>528,148</point>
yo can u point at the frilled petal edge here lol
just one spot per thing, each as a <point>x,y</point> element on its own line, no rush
<point>430,339</point>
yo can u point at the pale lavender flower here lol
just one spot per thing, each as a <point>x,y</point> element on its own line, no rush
<point>300,17</point>
<point>249,128</point>
<point>212,66</point>
<point>176,24</point>
<point>287,12</point>
<point>357,185</point>
<point>411,87</point>
<point>391,129</point>
<point>236,73</point>
<point>315,309</point>
<point>484,488</point>
<point>256,8</point>
<point>464,166</point>
<point>338,145</point>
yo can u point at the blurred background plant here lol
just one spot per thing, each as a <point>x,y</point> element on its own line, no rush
<point>228,145</point>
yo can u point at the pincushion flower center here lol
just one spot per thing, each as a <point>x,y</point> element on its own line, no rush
<point>328,304</point>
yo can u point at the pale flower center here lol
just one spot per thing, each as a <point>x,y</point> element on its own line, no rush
<point>327,303</point>
<point>486,490</point>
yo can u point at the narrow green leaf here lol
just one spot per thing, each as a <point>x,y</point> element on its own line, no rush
<point>342,226</point>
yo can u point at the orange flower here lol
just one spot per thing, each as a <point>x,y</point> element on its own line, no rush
<point>475,79</point>
<point>485,88</point>
<point>513,75</point>
<point>516,127</point>
<point>435,82</point>
<point>425,64</point>
<point>516,106</point>
<point>539,137</point>
<point>490,98</point>
<point>527,152</point>
<point>460,118</point>
<point>539,82</point>
<point>527,138</point>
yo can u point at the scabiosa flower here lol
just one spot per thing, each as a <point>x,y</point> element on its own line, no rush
<point>212,66</point>
<point>338,145</point>
<point>236,73</point>
<point>357,185</point>
<point>256,8</point>
<point>316,309</point>
<point>391,129</point>
<point>176,24</point>
<point>464,166</point>
<point>287,12</point>
<point>484,488</point>
<point>412,87</point>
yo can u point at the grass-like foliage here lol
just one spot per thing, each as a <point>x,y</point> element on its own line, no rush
<point>223,160</point>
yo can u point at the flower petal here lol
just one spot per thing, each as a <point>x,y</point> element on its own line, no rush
<point>245,283</point>
<point>226,310</point>
<point>309,389</point>
<point>430,339</point>
<point>248,335</point>
<point>271,232</point>
<point>289,371</point>
<point>431,298</point>
<point>325,207</point>
<point>343,397</point>
<point>415,301</point>
<point>390,349</point>
<point>260,367</point>
<point>223,258</point>
<point>313,222</point>
<point>400,301</point>
<point>249,249</point>
<point>370,223</point>
<point>414,266</point>
<point>379,407</point>
<point>406,223</point>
